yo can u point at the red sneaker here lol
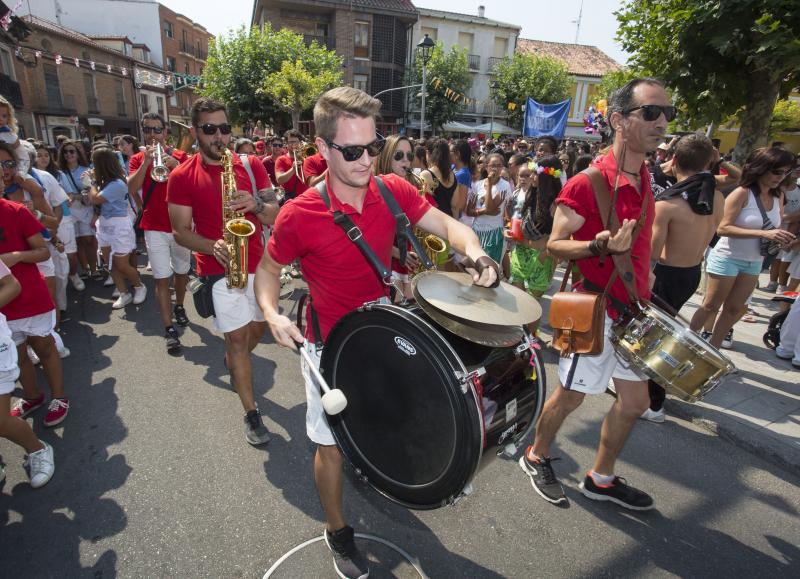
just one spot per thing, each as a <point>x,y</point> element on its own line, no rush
<point>23,406</point>
<point>56,411</point>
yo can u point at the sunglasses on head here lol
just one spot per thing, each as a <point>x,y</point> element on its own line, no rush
<point>9,164</point>
<point>352,153</point>
<point>156,130</point>
<point>652,112</point>
<point>210,129</point>
<point>398,156</point>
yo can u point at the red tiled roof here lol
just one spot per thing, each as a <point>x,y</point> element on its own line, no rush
<point>68,33</point>
<point>580,59</point>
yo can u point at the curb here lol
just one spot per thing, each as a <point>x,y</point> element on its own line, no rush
<point>739,434</point>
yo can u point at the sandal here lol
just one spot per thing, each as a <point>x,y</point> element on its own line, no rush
<point>752,318</point>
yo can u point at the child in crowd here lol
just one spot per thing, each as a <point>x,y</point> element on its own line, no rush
<point>8,134</point>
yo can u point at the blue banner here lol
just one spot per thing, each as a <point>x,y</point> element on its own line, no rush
<point>546,120</point>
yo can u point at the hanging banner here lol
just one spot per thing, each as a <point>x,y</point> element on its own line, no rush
<point>546,120</point>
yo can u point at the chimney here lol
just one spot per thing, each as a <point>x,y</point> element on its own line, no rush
<point>481,11</point>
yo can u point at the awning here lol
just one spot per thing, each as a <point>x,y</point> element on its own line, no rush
<point>495,128</point>
<point>578,133</point>
<point>457,127</point>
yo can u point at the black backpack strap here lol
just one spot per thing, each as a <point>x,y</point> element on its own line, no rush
<point>306,298</point>
<point>404,230</point>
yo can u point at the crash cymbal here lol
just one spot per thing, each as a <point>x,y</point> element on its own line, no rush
<point>456,295</point>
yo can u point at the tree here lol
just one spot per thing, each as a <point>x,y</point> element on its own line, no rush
<point>719,56</point>
<point>452,69</point>
<point>613,80</point>
<point>543,78</point>
<point>786,116</point>
<point>297,85</point>
<point>239,63</point>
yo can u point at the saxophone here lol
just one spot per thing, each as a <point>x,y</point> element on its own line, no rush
<point>236,229</point>
<point>434,245</point>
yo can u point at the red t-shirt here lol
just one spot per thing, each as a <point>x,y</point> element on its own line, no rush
<point>314,166</point>
<point>269,165</point>
<point>199,186</point>
<point>293,186</point>
<point>155,216</point>
<point>578,195</point>
<point>339,277</point>
<point>17,224</point>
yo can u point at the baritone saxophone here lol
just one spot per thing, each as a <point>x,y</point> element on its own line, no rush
<point>433,245</point>
<point>236,229</point>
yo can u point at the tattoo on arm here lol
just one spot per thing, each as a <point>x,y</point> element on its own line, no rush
<point>268,195</point>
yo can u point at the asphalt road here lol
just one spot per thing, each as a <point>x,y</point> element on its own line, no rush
<point>154,479</point>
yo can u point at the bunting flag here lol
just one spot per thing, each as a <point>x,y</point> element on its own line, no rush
<point>5,21</point>
<point>461,98</point>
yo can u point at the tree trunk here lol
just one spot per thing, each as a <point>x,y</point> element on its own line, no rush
<point>761,98</point>
<point>295,118</point>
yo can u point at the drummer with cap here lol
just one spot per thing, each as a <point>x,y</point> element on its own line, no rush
<point>340,279</point>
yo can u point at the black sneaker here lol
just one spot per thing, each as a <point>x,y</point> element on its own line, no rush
<point>347,559</point>
<point>173,342</point>
<point>543,479</point>
<point>617,492</point>
<point>254,429</point>
<point>180,315</point>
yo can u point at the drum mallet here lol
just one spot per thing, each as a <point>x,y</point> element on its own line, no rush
<point>334,400</point>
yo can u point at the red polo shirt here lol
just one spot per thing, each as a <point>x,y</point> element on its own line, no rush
<point>199,186</point>
<point>17,224</point>
<point>339,276</point>
<point>314,166</point>
<point>578,195</point>
<point>293,186</point>
<point>155,216</point>
<point>269,165</point>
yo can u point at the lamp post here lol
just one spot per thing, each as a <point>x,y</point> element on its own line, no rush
<point>493,86</point>
<point>425,47</point>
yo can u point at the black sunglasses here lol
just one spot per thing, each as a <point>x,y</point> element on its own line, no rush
<point>210,129</point>
<point>156,130</point>
<point>355,152</point>
<point>652,112</point>
<point>70,152</point>
<point>277,144</point>
<point>398,156</point>
<point>9,164</point>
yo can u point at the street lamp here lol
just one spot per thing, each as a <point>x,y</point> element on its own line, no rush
<point>425,47</point>
<point>493,86</point>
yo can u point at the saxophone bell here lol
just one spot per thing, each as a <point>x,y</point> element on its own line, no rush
<point>236,229</point>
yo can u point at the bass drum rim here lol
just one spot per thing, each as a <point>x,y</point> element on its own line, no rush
<point>464,464</point>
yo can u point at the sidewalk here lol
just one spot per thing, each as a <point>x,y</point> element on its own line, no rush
<point>757,408</point>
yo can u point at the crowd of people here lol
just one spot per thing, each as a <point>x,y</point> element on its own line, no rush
<point>513,209</point>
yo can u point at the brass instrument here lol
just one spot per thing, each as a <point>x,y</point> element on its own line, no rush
<point>184,140</point>
<point>236,229</point>
<point>159,172</point>
<point>300,155</point>
<point>434,245</point>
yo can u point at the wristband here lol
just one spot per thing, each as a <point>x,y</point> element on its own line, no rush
<point>38,214</point>
<point>486,262</point>
<point>594,247</point>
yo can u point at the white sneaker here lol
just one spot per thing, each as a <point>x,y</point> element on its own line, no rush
<point>109,282</point>
<point>32,355</point>
<point>139,294</point>
<point>64,353</point>
<point>40,466</point>
<point>122,301</point>
<point>77,282</point>
<point>658,416</point>
<point>781,289</point>
<point>115,293</point>
<point>727,341</point>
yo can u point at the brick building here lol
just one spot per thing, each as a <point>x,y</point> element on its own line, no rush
<point>372,36</point>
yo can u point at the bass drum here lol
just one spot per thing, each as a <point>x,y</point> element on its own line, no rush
<point>424,405</point>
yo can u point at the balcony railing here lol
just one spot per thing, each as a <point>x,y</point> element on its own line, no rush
<point>474,61</point>
<point>326,41</point>
<point>494,61</point>
<point>9,88</point>
<point>187,48</point>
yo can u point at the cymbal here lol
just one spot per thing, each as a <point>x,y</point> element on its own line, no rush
<point>456,295</point>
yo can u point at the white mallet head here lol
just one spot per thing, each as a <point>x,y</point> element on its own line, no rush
<point>334,401</point>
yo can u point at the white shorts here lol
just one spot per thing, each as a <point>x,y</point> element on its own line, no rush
<point>66,233</point>
<point>9,369</point>
<point>83,228</point>
<point>47,268</point>
<point>234,308</point>
<point>116,233</point>
<point>317,427</point>
<point>590,374</point>
<point>787,256</point>
<point>166,255</point>
<point>794,268</point>
<point>60,262</point>
<point>38,326</point>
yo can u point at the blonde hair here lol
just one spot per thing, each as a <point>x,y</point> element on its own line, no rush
<point>383,165</point>
<point>343,101</point>
<point>12,119</point>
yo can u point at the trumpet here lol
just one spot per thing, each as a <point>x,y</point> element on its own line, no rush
<point>159,172</point>
<point>300,155</point>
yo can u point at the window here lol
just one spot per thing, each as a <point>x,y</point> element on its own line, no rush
<point>432,32</point>
<point>145,103</point>
<point>52,86</point>
<point>6,64</point>
<point>500,47</point>
<point>121,108</point>
<point>173,100</point>
<point>86,56</point>
<point>160,105</point>
<point>168,32</point>
<point>186,68</point>
<point>47,45</point>
<point>171,63</point>
<point>91,93</point>
<point>361,39</point>
<point>360,81</point>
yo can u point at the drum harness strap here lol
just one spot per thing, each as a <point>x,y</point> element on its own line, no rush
<point>404,232</point>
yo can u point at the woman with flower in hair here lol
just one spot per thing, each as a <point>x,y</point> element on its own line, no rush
<point>532,267</point>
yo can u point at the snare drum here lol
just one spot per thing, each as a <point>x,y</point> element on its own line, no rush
<point>425,406</point>
<point>672,355</point>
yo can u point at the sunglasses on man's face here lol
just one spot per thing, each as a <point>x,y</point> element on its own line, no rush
<point>652,112</point>
<point>398,156</point>
<point>210,129</point>
<point>8,164</point>
<point>352,153</point>
<point>277,145</point>
<point>156,130</point>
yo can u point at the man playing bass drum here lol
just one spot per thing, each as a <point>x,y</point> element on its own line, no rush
<point>638,115</point>
<point>339,278</point>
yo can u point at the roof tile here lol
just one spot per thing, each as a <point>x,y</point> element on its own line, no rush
<point>580,59</point>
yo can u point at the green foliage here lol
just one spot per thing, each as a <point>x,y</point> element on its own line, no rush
<point>786,116</point>
<point>239,64</point>
<point>544,79</point>
<point>613,80</point>
<point>452,68</point>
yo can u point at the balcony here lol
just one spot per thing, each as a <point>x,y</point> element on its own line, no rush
<point>494,61</point>
<point>93,105</point>
<point>328,42</point>
<point>475,62</point>
<point>9,88</point>
<point>187,48</point>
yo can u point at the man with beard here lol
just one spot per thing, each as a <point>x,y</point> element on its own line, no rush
<point>692,206</point>
<point>195,209</point>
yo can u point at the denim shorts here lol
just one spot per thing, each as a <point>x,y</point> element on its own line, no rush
<point>730,267</point>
